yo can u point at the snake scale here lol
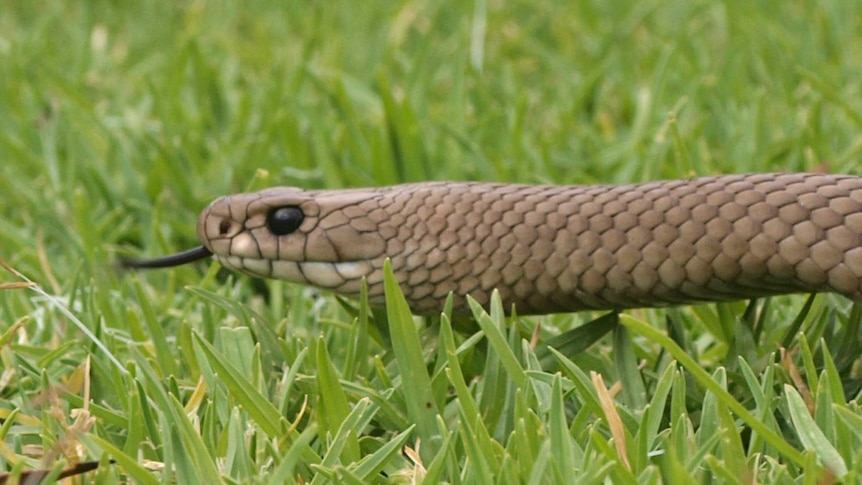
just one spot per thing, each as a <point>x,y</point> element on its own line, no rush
<point>548,248</point>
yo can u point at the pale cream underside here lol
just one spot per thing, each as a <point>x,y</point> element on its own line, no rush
<point>321,274</point>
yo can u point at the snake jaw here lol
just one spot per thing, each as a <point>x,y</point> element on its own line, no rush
<point>343,277</point>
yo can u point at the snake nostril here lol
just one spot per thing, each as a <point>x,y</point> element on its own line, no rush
<point>224,227</point>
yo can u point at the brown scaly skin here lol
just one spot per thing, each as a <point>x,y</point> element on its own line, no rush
<point>554,249</point>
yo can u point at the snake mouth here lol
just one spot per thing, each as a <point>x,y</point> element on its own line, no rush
<point>323,274</point>
<point>184,257</point>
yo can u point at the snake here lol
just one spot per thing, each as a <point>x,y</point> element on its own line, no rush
<point>549,248</point>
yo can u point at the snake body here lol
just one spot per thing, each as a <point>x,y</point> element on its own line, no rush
<point>552,248</point>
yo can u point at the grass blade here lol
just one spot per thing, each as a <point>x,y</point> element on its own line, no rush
<point>415,382</point>
<point>702,377</point>
<point>810,434</point>
<point>245,392</point>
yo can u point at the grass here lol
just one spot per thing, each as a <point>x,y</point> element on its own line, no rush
<point>119,122</point>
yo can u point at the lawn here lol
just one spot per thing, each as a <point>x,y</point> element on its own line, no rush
<point>120,121</point>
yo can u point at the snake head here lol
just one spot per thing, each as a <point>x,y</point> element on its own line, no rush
<point>329,240</point>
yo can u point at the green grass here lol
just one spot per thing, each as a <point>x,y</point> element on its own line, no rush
<point>120,121</point>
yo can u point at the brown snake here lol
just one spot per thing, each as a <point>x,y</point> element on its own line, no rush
<point>550,249</point>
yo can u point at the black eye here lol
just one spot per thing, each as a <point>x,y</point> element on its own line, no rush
<point>284,220</point>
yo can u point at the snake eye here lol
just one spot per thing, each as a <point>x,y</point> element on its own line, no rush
<point>284,220</point>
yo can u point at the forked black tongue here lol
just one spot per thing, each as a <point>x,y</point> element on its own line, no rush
<point>184,257</point>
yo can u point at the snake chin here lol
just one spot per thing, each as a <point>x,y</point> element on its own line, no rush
<point>344,276</point>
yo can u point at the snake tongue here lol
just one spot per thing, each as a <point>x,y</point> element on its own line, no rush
<point>177,259</point>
